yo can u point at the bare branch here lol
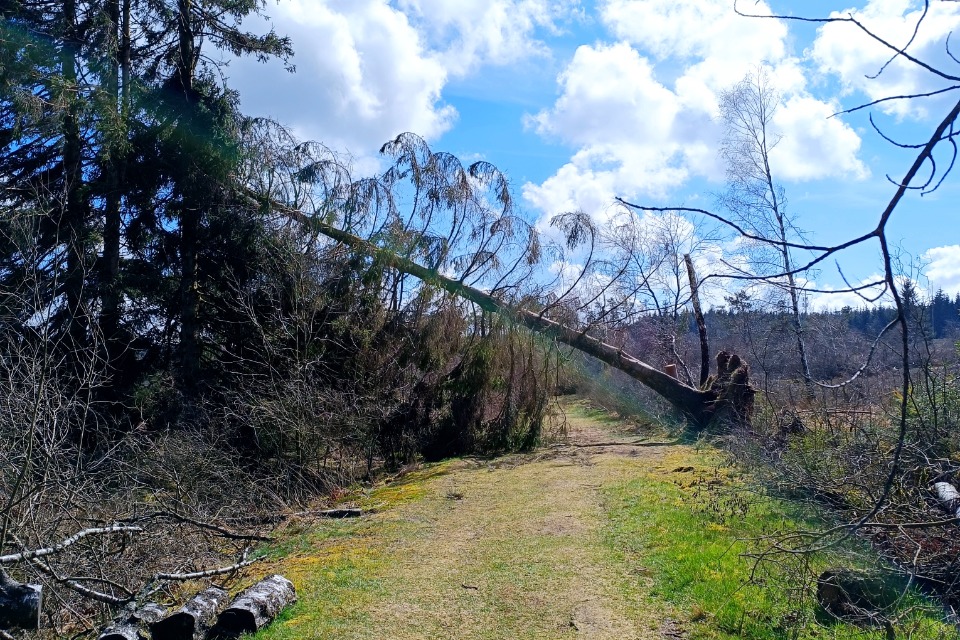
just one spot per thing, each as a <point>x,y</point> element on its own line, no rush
<point>898,52</point>
<point>46,551</point>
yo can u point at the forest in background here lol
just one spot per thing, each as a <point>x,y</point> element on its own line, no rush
<point>185,351</point>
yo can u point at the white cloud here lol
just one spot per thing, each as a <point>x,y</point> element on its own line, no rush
<point>943,268</point>
<point>363,76</point>
<point>642,112</point>
<point>468,33</point>
<point>810,135</point>
<point>704,30</point>
<point>843,49</point>
<point>826,300</point>
<point>368,70</point>
<point>620,81</point>
<point>627,127</point>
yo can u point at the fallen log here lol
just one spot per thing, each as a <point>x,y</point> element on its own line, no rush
<point>340,513</point>
<point>723,401</point>
<point>192,620</point>
<point>134,623</point>
<point>948,496</point>
<point>19,603</point>
<point>255,607</point>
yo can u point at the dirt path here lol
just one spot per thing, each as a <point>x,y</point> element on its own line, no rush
<point>512,548</point>
<point>603,536</point>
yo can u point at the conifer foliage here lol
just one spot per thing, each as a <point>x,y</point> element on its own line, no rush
<point>141,273</point>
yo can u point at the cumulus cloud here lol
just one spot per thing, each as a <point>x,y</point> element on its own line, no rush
<point>943,268</point>
<point>811,135</point>
<point>468,33</point>
<point>642,112</point>
<point>368,70</point>
<point>363,76</point>
<point>625,124</point>
<point>849,53</point>
<point>827,299</point>
<point>704,31</point>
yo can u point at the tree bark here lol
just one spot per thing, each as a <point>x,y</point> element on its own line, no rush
<point>949,497</point>
<point>190,213</point>
<point>859,597</point>
<point>74,219</point>
<point>726,401</point>
<point>133,625</point>
<point>19,603</point>
<point>256,607</point>
<point>193,619</point>
<point>701,323</point>
<point>114,169</point>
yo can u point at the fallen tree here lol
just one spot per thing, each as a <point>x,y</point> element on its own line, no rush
<point>725,399</point>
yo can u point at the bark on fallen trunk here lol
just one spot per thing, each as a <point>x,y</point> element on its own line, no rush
<point>134,624</point>
<point>255,608</point>
<point>726,399</point>
<point>192,620</point>
<point>340,513</point>
<point>948,496</point>
<point>19,603</point>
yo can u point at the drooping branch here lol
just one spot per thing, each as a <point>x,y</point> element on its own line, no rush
<point>700,406</point>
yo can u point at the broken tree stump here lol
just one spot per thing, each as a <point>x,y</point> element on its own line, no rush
<point>255,607</point>
<point>192,620</point>
<point>134,623</point>
<point>19,603</point>
<point>734,397</point>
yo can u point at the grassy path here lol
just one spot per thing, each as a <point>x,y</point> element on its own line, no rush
<point>596,538</point>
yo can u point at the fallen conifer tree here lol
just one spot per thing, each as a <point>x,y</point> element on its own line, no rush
<point>724,401</point>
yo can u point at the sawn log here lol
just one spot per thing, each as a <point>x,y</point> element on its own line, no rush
<point>192,620</point>
<point>19,603</point>
<point>255,607</point>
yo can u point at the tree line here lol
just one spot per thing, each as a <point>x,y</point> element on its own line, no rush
<point>178,355</point>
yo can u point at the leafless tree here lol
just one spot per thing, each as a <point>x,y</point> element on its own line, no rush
<point>753,197</point>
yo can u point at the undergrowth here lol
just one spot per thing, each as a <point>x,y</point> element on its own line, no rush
<point>697,527</point>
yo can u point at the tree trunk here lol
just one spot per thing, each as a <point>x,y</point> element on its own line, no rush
<point>193,619</point>
<point>726,400</point>
<point>949,497</point>
<point>701,323</point>
<point>190,212</point>
<point>133,625</point>
<point>110,290</point>
<point>74,218</point>
<point>19,603</point>
<point>256,607</point>
<point>859,597</point>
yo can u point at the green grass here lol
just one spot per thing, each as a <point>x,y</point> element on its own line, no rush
<point>600,543</point>
<point>690,526</point>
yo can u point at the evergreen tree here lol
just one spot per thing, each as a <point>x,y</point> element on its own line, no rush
<point>942,313</point>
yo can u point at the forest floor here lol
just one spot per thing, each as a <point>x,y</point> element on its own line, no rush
<point>608,533</point>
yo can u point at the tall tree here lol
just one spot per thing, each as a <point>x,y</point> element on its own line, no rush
<point>753,196</point>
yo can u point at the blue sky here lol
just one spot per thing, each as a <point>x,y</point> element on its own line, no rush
<point>581,101</point>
